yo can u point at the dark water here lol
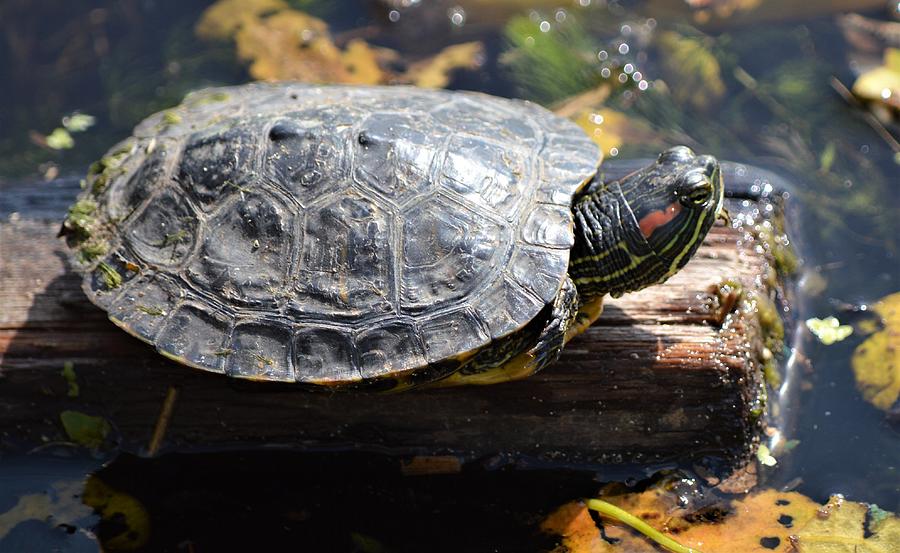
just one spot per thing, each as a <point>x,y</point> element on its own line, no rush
<point>122,60</point>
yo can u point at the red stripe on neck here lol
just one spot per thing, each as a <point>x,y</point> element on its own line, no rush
<point>655,219</point>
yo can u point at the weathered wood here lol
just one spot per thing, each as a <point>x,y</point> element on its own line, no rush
<point>657,378</point>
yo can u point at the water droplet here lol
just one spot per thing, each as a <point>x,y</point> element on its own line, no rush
<point>623,48</point>
<point>457,16</point>
<point>545,26</point>
<point>561,15</point>
<point>394,16</point>
<point>629,68</point>
<point>643,85</point>
<point>605,72</point>
<point>637,76</point>
<point>602,55</point>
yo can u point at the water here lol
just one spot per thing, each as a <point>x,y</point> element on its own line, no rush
<point>772,106</point>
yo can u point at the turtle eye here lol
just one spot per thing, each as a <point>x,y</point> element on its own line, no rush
<point>677,154</point>
<point>694,188</point>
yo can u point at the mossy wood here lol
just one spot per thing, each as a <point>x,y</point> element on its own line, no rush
<point>658,377</point>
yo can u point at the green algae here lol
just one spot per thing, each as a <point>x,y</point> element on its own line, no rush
<point>111,277</point>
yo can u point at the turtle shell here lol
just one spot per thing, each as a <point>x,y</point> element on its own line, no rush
<point>333,235</point>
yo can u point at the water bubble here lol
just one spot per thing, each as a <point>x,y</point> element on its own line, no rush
<point>629,68</point>
<point>457,16</point>
<point>605,72</point>
<point>596,119</point>
<point>885,93</point>
<point>584,3</point>
<point>625,29</point>
<point>637,76</point>
<point>623,48</point>
<point>602,55</point>
<point>561,15</point>
<point>623,78</point>
<point>394,16</point>
<point>545,26</point>
<point>613,152</point>
<point>864,149</point>
<point>643,85</point>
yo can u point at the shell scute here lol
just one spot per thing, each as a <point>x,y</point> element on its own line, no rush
<point>306,157</point>
<point>260,350</point>
<point>448,251</point>
<point>393,155</point>
<point>243,250</point>
<point>220,161</point>
<point>164,233</point>
<point>346,264</point>
<point>196,334</point>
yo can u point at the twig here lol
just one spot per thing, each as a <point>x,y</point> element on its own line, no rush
<point>162,423</point>
<point>873,121</point>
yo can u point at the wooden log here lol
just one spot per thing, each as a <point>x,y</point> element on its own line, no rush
<point>658,378</point>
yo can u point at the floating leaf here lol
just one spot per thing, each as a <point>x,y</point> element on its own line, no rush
<point>610,129</point>
<point>847,526</point>
<point>876,361</point>
<point>221,20</point>
<point>78,122</point>
<point>828,330</point>
<point>60,139</point>
<point>281,43</point>
<point>124,513</point>
<point>881,86</point>
<point>86,430</point>
<point>61,506</point>
<point>757,523</point>
<point>765,456</point>
<point>290,45</point>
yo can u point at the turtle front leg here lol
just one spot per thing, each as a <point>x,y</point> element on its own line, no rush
<point>524,352</point>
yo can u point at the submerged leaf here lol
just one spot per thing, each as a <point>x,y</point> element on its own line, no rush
<point>78,122</point>
<point>435,72</point>
<point>828,330</point>
<point>876,362</point>
<point>692,71</point>
<point>549,66</point>
<point>68,373</point>
<point>60,139</point>
<point>86,430</point>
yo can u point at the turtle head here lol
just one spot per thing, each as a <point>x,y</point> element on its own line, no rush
<point>640,230</point>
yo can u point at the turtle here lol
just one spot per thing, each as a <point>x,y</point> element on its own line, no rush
<point>378,238</point>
